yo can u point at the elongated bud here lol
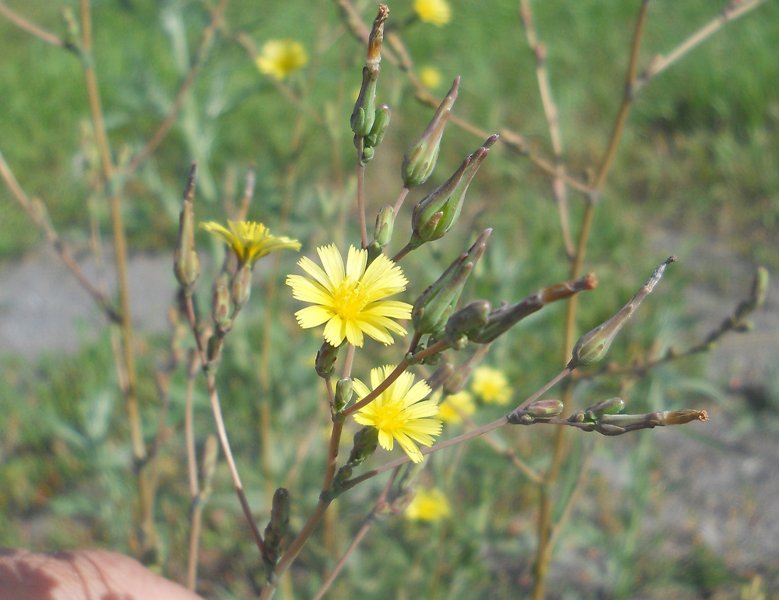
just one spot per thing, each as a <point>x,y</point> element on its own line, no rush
<point>221,304</point>
<point>325,360</point>
<point>385,222</point>
<point>610,406</point>
<point>419,162</point>
<point>210,454</point>
<point>505,317</point>
<point>540,409</point>
<point>364,112</point>
<point>344,390</point>
<point>468,320</point>
<point>242,286</point>
<point>364,444</point>
<point>186,263</point>
<point>437,302</point>
<point>214,348</point>
<point>376,135</point>
<point>277,526</point>
<point>595,344</point>
<point>437,212</point>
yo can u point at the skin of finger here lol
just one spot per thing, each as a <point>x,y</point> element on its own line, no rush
<point>82,574</point>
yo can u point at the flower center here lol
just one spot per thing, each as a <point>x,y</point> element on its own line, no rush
<point>349,299</point>
<point>389,417</point>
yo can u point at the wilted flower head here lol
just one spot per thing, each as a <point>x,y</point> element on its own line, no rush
<point>400,412</point>
<point>279,58</point>
<point>491,385</point>
<point>350,300</point>
<point>428,505</point>
<point>249,240</point>
<point>435,12</point>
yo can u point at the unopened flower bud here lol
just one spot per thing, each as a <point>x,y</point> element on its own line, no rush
<point>437,302</point>
<point>214,348</point>
<point>440,375</point>
<point>242,286</point>
<point>437,212</point>
<point>186,263</point>
<point>385,222</point>
<point>419,162</point>
<point>221,305</point>
<point>325,360</point>
<point>364,112</point>
<point>468,320</point>
<point>277,526</point>
<point>540,409</point>
<point>344,390</point>
<point>595,344</point>
<point>379,128</point>
<point>610,406</point>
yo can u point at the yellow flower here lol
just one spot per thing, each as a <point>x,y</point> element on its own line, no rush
<point>400,412</point>
<point>436,12</point>
<point>249,240</point>
<point>455,405</point>
<point>428,505</point>
<point>279,58</point>
<point>491,385</point>
<point>430,77</point>
<point>350,300</point>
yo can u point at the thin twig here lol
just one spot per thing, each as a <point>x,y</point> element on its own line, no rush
<point>37,212</point>
<point>553,123</point>
<point>30,27</point>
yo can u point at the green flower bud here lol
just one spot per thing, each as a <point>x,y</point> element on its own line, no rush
<point>221,305</point>
<point>419,162</point>
<point>344,390</point>
<point>380,124</point>
<point>325,360</point>
<point>540,409</point>
<point>385,222</point>
<point>242,286</point>
<point>186,263</point>
<point>468,320</point>
<point>364,112</point>
<point>611,406</point>
<point>437,302</point>
<point>595,344</point>
<point>437,212</point>
<point>214,348</point>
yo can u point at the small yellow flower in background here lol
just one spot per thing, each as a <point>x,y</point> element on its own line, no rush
<point>455,405</point>
<point>249,240</point>
<point>430,77</point>
<point>428,505</point>
<point>400,412</point>
<point>279,58</point>
<point>491,385</point>
<point>435,12</point>
<point>349,300</point>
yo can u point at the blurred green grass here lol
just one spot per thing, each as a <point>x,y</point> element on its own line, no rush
<point>700,151</point>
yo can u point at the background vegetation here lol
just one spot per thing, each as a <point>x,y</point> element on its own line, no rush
<point>697,168</point>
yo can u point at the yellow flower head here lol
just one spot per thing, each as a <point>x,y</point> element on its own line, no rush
<point>491,385</point>
<point>249,240</point>
<point>428,505</point>
<point>456,405</point>
<point>436,12</point>
<point>350,301</point>
<point>430,77</point>
<point>279,58</point>
<point>400,412</point>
